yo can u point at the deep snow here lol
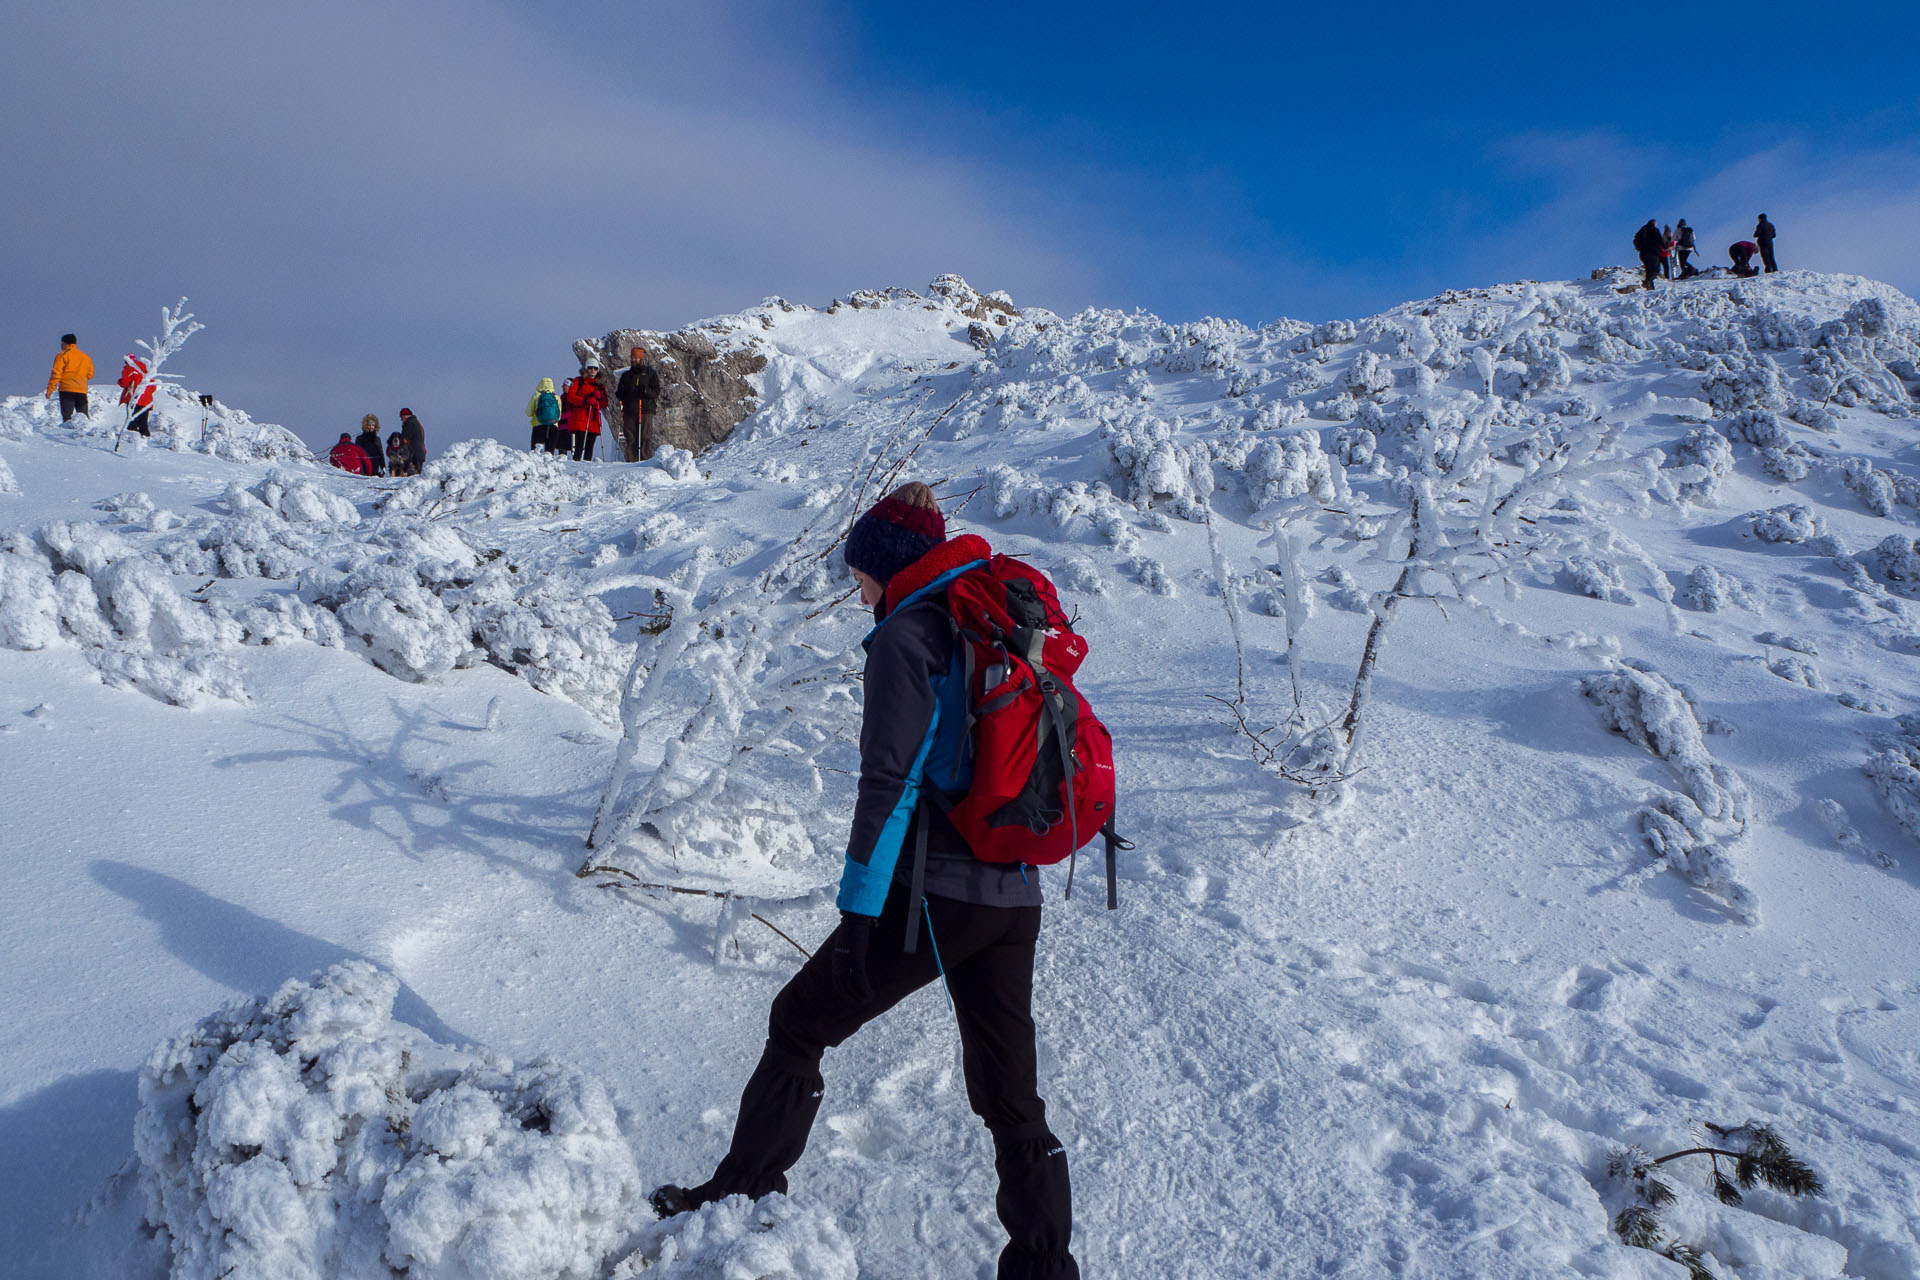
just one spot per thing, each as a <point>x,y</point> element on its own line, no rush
<point>261,719</point>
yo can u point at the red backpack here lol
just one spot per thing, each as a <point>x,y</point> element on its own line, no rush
<point>1042,781</point>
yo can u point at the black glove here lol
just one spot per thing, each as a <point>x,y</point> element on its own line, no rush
<point>850,957</point>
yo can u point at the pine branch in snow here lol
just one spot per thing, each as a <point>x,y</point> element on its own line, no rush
<point>1753,1154</point>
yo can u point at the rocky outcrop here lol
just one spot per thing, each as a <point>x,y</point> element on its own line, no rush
<point>705,390</point>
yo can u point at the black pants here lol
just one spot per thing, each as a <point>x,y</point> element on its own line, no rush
<point>1766,255</point>
<point>1650,262</point>
<point>583,445</point>
<point>138,422</point>
<point>72,402</point>
<point>539,438</point>
<point>988,954</point>
<point>1686,268</point>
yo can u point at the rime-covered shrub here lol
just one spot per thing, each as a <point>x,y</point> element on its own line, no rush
<point>1761,428</point>
<point>310,1136</point>
<point>1789,465</point>
<point>1698,464</point>
<point>1896,561</point>
<point>1874,488</point>
<point>1791,523</point>
<point>1711,591</point>
<point>1597,577</point>
<point>1369,376</point>
<point>1287,467</point>
<point>1748,385</point>
<point>1154,469</point>
<point>1693,831</point>
<point>1354,446</point>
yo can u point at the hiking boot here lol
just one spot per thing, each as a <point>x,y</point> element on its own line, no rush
<point>670,1200</point>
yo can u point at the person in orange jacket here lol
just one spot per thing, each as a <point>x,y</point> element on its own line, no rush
<point>72,373</point>
<point>584,400</point>
<point>130,375</point>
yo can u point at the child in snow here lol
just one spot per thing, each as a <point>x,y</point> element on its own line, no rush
<point>978,931</point>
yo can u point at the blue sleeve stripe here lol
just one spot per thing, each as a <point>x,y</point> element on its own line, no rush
<point>863,886</point>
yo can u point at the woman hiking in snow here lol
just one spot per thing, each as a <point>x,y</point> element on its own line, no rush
<point>543,415</point>
<point>979,927</point>
<point>585,399</point>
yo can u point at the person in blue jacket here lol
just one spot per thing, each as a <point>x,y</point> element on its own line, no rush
<point>979,921</point>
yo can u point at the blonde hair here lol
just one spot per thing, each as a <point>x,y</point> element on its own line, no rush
<point>370,423</point>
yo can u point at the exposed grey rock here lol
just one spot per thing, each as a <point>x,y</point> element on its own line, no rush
<point>705,391</point>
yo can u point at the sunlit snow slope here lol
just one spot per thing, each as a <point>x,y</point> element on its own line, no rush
<point>1626,841</point>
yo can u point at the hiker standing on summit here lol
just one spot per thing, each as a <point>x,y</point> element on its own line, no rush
<point>978,930</point>
<point>582,400</point>
<point>639,394</point>
<point>543,415</point>
<point>1684,245</point>
<point>416,437</point>
<point>1763,235</point>
<point>1647,243</point>
<point>72,374</point>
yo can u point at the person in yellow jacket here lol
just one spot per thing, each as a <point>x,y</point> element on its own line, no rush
<point>72,372</point>
<point>543,415</point>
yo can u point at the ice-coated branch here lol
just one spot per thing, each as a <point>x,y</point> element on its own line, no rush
<point>176,326</point>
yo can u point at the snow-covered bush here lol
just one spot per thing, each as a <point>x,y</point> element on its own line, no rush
<point>1760,428</point>
<point>1791,464</point>
<point>1693,831</point>
<point>1698,464</point>
<point>1711,591</point>
<point>1894,769</point>
<point>1157,469</point>
<point>1896,560</point>
<point>309,1136</point>
<point>1594,576</point>
<point>81,581</point>
<point>1755,384</point>
<point>1791,523</point>
<point>1283,467</point>
<point>1873,488</point>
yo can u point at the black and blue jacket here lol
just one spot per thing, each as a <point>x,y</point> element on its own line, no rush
<point>913,736</point>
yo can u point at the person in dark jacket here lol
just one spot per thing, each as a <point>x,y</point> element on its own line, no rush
<point>1683,245</point>
<point>416,437</point>
<point>981,920</point>
<point>1646,242</point>
<point>1742,251</point>
<point>347,456</point>
<point>1763,234</point>
<point>369,442</point>
<point>639,395</point>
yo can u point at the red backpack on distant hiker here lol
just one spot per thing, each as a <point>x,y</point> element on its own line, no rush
<point>1033,779</point>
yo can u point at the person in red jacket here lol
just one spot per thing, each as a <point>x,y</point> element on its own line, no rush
<point>130,375</point>
<point>349,456</point>
<point>583,402</point>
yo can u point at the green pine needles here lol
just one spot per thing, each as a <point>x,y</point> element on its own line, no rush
<point>1752,1154</point>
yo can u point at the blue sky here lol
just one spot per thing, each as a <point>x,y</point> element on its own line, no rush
<point>424,202</point>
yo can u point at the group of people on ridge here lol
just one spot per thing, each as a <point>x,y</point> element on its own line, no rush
<point>73,374</point>
<point>403,453</point>
<point>569,420</point>
<point>1660,248</point>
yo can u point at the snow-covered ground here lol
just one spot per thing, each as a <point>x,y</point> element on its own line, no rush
<point>1627,843</point>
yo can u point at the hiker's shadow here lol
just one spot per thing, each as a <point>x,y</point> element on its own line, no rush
<point>238,949</point>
